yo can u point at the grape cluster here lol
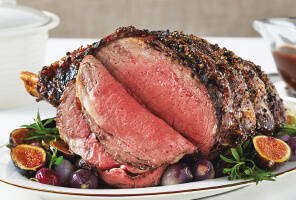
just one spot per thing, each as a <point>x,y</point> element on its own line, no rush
<point>65,175</point>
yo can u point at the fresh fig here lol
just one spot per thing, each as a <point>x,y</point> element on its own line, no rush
<point>28,159</point>
<point>272,153</point>
<point>63,150</point>
<point>18,136</point>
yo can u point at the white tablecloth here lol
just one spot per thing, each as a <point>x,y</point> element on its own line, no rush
<point>254,49</point>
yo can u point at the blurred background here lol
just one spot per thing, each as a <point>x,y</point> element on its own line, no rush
<point>98,18</point>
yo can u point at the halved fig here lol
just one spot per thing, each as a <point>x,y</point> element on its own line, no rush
<point>63,150</point>
<point>17,137</point>
<point>272,153</point>
<point>28,159</point>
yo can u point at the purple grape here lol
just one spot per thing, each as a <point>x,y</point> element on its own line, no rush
<point>176,174</point>
<point>203,170</point>
<point>48,176</point>
<point>284,137</point>
<point>292,144</point>
<point>64,170</point>
<point>83,179</point>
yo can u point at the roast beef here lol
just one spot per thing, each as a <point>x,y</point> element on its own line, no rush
<point>213,98</point>
<point>76,132</point>
<point>127,130</point>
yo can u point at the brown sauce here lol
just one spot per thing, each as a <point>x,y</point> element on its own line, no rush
<point>285,59</point>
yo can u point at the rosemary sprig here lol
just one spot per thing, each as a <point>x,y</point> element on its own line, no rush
<point>288,129</point>
<point>53,158</point>
<point>38,130</point>
<point>243,166</point>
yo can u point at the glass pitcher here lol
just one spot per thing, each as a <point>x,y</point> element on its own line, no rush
<point>280,33</point>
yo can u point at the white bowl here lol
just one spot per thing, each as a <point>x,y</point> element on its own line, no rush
<point>22,48</point>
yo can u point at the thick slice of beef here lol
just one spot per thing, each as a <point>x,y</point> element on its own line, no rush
<point>164,87</point>
<point>76,132</point>
<point>127,130</point>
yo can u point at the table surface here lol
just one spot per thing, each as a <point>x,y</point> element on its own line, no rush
<point>254,49</point>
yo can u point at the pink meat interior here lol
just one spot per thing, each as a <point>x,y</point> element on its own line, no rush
<point>126,129</point>
<point>164,87</point>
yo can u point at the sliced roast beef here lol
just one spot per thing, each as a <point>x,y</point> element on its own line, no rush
<point>245,102</point>
<point>76,132</point>
<point>126,129</point>
<point>167,88</point>
<point>164,87</point>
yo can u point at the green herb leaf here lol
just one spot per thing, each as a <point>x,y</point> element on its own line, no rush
<point>246,144</point>
<point>53,159</point>
<point>59,160</point>
<point>227,159</point>
<point>48,121</point>
<point>288,129</point>
<point>235,154</point>
<point>39,130</point>
<point>292,119</point>
<point>240,151</point>
<point>243,166</point>
<point>226,170</point>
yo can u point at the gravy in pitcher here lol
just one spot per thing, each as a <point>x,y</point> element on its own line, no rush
<point>285,59</point>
